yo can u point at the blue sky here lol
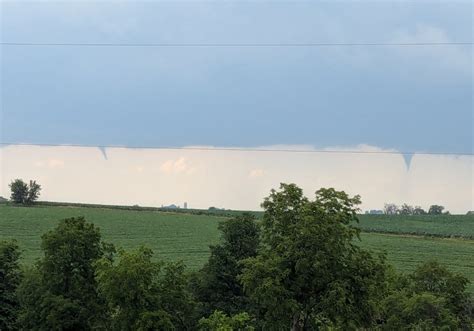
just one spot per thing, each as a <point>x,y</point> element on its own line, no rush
<point>410,99</point>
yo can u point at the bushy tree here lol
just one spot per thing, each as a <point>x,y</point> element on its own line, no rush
<point>43,310</point>
<point>34,190</point>
<point>452,287</point>
<point>436,210</point>
<point>19,191</point>
<point>391,209</point>
<point>23,193</point>
<point>61,292</point>
<point>419,211</point>
<point>406,209</point>
<point>418,311</point>
<point>144,295</point>
<point>217,286</point>
<point>430,298</point>
<point>10,277</point>
<point>310,273</point>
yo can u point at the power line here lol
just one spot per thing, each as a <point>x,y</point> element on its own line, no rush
<point>416,44</point>
<point>238,149</point>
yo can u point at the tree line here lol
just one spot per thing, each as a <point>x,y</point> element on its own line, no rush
<point>406,209</point>
<point>299,268</point>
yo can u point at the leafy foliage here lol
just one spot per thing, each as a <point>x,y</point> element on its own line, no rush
<point>144,295</point>
<point>62,287</point>
<point>23,193</point>
<point>218,321</point>
<point>309,272</point>
<point>10,277</point>
<point>436,210</point>
<point>217,286</point>
<point>430,298</point>
<point>19,191</point>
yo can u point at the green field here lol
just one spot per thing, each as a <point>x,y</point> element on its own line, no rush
<point>171,236</point>
<point>441,226</point>
<point>179,236</point>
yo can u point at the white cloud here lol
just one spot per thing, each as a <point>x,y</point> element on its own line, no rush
<point>255,173</point>
<point>178,166</point>
<point>50,163</point>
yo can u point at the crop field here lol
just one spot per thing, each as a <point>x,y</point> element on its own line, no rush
<point>171,236</point>
<point>407,252</point>
<point>180,236</point>
<point>437,226</point>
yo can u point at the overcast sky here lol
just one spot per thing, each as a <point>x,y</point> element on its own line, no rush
<point>407,98</point>
<point>413,99</point>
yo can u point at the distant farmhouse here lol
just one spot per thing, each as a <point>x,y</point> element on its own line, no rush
<point>173,206</point>
<point>374,212</point>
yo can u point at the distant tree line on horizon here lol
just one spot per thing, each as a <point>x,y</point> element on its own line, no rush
<point>26,194</point>
<point>299,268</point>
<point>406,209</point>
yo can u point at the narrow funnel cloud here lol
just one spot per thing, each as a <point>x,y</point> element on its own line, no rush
<point>408,157</point>
<point>103,150</point>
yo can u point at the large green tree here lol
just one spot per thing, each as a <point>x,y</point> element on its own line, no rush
<point>144,295</point>
<point>23,193</point>
<point>435,210</point>
<point>217,286</point>
<point>310,272</point>
<point>61,292</point>
<point>10,276</point>
<point>431,297</point>
<point>19,191</point>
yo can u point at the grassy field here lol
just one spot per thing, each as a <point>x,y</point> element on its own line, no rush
<point>179,236</point>
<point>407,252</point>
<point>171,236</point>
<point>441,226</point>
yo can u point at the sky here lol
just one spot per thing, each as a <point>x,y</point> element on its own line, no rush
<point>407,99</point>
<point>411,99</point>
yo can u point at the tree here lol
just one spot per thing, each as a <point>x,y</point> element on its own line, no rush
<point>390,209</point>
<point>430,298</point>
<point>33,192</point>
<point>419,311</point>
<point>19,191</point>
<point>23,193</point>
<point>217,286</point>
<point>309,272</point>
<point>433,278</point>
<point>436,210</point>
<point>219,321</point>
<point>406,209</point>
<point>144,295</point>
<point>419,211</point>
<point>10,277</point>
<point>63,283</point>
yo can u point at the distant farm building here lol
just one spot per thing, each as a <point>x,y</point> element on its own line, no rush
<point>374,212</point>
